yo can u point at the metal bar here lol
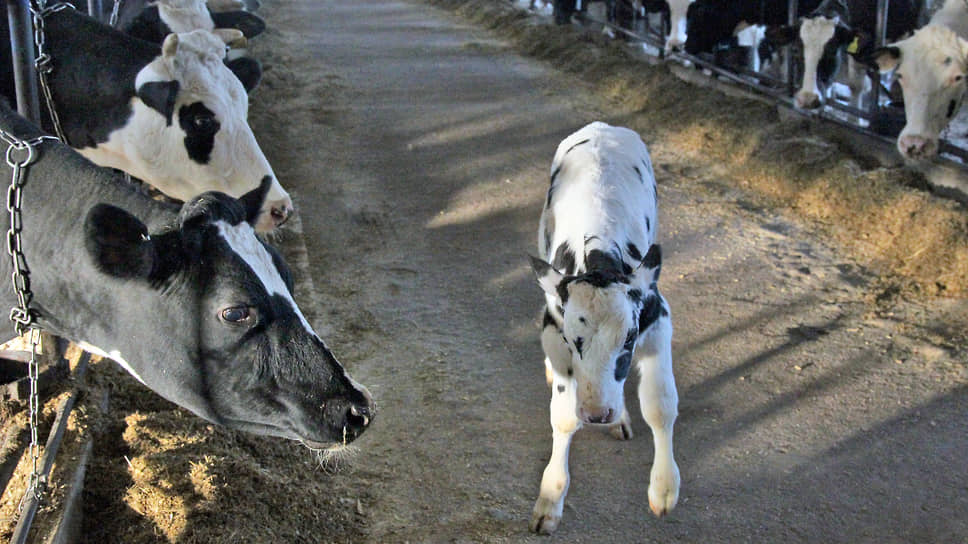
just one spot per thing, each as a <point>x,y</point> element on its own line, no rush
<point>790,72</point>
<point>22,530</point>
<point>94,9</point>
<point>22,49</point>
<point>880,38</point>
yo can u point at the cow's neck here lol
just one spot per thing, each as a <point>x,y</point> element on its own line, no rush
<point>105,68</point>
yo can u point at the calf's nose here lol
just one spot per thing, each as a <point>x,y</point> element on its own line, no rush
<point>280,213</point>
<point>349,419</point>
<point>807,100</point>
<point>597,415</point>
<point>916,146</point>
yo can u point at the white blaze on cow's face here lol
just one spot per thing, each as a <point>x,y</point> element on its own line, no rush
<point>185,15</point>
<point>814,33</point>
<point>930,66</point>
<point>188,133</point>
<point>677,24</point>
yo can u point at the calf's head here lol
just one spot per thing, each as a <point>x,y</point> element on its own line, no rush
<point>601,312</point>
<point>206,318</point>
<point>931,67</point>
<point>189,132</point>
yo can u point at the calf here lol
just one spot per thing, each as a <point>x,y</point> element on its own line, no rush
<point>931,67</point>
<point>200,310</point>
<point>603,309</point>
<point>836,28</point>
<point>173,115</point>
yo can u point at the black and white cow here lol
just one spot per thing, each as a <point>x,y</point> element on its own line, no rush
<point>154,21</point>
<point>599,269</point>
<point>836,28</point>
<point>172,115</point>
<point>710,22</point>
<point>931,67</point>
<point>194,305</point>
<point>676,11</point>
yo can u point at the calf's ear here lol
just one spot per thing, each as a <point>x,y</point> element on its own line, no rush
<point>118,242</point>
<point>548,278</point>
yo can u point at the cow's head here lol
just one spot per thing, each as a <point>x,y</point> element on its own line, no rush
<point>931,67</point>
<point>708,22</point>
<point>208,321</point>
<point>676,38</point>
<point>822,37</point>
<point>188,15</point>
<point>189,132</point>
<point>600,314</point>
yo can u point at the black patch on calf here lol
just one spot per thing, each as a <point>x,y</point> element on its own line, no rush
<point>160,96</point>
<point>579,343</point>
<point>118,242</point>
<point>548,320</point>
<point>951,109</point>
<point>634,251</point>
<point>564,260</point>
<point>585,141</point>
<point>651,310</point>
<point>622,365</point>
<point>598,261</point>
<point>639,173</point>
<point>561,389</point>
<point>648,224</point>
<point>200,126</point>
<point>148,26</point>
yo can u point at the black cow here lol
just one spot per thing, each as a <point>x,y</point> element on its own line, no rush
<point>709,22</point>
<point>200,310</point>
<point>172,115</point>
<point>152,22</point>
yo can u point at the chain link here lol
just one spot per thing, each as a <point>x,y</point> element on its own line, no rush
<point>43,61</point>
<point>19,155</point>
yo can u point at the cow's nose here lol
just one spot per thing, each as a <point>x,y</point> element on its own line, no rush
<point>356,419</point>
<point>674,46</point>
<point>280,214</point>
<point>599,415</point>
<point>916,146</point>
<point>809,101</point>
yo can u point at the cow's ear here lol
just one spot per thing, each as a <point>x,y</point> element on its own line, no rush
<point>118,242</point>
<point>885,58</point>
<point>651,265</point>
<point>548,278</point>
<point>253,201</point>
<point>249,24</point>
<point>170,46</point>
<point>160,96</point>
<point>248,70</point>
<point>233,38</point>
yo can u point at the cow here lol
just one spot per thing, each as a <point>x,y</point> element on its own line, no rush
<point>172,115</point>
<point>709,22</point>
<point>599,270</point>
<point>187,299</point>
<point>931,67</point>
<point>837,28</point>
<point>153,22</point>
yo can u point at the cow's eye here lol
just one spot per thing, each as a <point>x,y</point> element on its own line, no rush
<point>204,122</point>
<point>236,314</point>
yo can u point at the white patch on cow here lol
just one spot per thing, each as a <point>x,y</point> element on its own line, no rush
<point>932,71</point>
<point>243,241</point>
<point>815,32</point>
<point>677,23</point>
<point>149,148</point>
<point>185,15</point>
<point>114,355</point>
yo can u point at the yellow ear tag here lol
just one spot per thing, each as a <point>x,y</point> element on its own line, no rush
<point>852,48</point>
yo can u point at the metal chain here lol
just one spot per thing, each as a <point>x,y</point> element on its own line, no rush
<point>43,61</point>
<point>113,21</point>
<point>19,155</point>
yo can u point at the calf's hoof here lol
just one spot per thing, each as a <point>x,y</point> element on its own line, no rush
<point>621,430</point>
<point>664,491</point>
<point>544,520</point>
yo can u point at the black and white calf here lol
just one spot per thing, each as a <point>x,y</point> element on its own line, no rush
<point>710,22</point>
<point>599,270</point>
<point>200,310</point>
<point>172,115</point>
<point>932,68</point>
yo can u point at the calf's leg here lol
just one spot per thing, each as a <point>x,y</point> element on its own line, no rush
<point>660,401</point>
<point>554,481</point>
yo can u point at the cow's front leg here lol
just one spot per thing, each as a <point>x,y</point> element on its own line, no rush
<point>554,481</point>
<point>660,401</point>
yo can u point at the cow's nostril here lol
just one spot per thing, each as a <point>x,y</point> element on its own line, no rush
<point>280,214</point>
<point>358,417</point>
